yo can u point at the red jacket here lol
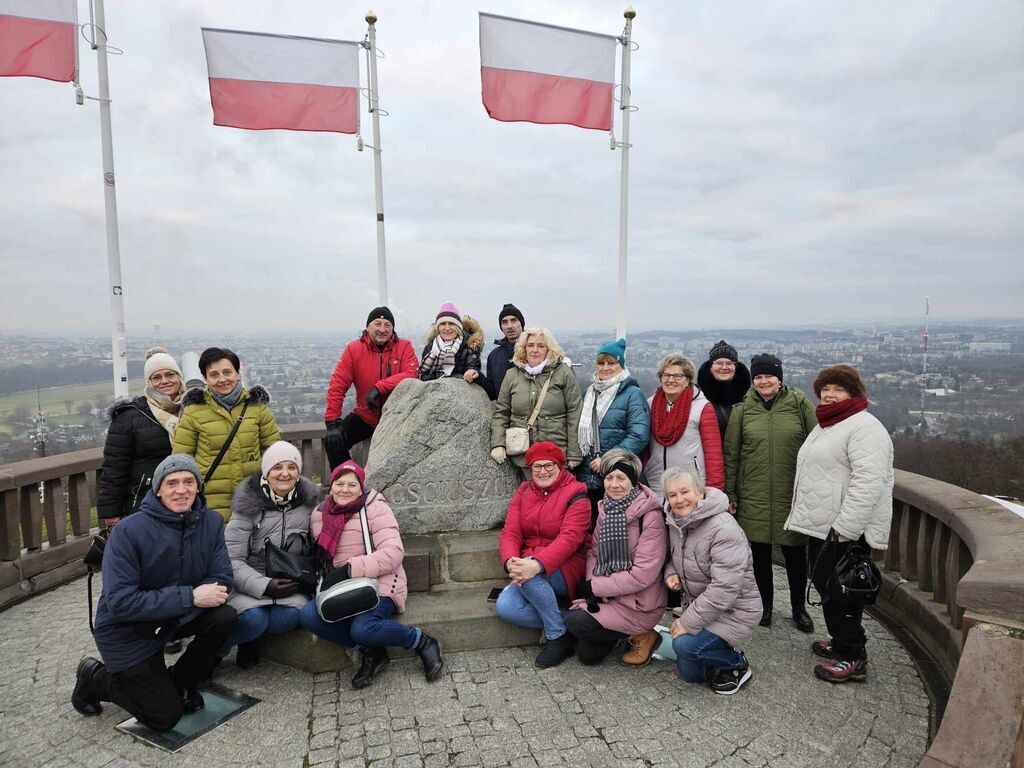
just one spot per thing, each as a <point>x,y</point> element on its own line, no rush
<point>545,526</point>
<point>367,366</point>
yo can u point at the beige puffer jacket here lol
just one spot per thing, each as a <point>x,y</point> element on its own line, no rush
<point>844,480</point>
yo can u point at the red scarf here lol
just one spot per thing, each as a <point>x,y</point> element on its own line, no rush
<point>828,415</point>
<point>668,426</point>
<point>334,517</point>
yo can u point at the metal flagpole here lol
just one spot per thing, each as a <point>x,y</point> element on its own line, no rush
<point>626,40</point>
<point>378,184</point>
<point>118,341</point>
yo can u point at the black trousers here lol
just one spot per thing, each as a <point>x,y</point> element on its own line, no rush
<point>844,620</point>
<point>593,642</point>
<point>340,441</point>
<point>796,573</point>
<point>150,691</point>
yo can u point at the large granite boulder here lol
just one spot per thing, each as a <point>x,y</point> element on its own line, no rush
<point>430,456</point>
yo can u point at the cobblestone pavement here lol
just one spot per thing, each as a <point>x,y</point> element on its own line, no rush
<point>491,708</point>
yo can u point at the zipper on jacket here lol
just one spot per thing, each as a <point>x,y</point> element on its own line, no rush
<point>181,552</point>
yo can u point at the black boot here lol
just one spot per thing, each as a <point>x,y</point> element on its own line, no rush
<point>555,651</point>
<point>766,618</point>
<point>374,661</point>
<point>429,651</point>
<point>191,698</point>
<point>247,656</point>
<point>803,621</point>
<point>83,697</point>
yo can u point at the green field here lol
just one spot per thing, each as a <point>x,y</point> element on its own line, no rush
<point>55,401</point>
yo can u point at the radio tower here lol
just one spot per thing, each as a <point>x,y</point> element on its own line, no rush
<point>924,365</point>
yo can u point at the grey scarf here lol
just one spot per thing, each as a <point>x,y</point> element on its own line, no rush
<point>613,536</point>
<point>230,400</point>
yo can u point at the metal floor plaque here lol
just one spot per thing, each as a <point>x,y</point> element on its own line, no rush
<point>221,704</point>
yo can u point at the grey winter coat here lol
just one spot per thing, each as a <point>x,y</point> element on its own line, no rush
<point>844,480</point>
<point>254,519</point>
<point>711,556</point>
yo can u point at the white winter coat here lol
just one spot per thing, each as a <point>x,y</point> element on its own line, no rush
<point>844,481</point>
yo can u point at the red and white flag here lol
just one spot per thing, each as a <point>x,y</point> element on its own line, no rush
<point>261,82</point>
<point>38,39</point>
<point>538,73</point>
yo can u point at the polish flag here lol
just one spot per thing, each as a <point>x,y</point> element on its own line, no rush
<point>38,39</point>
<point>263,82</point>
<point>538,73</point>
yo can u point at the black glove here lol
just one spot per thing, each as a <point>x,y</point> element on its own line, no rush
<point>278,588</point>
<point>337,576</point>
<point>335,441</point>
<point>332,423</point>
<point>586,590</point>
<point>373,399</point>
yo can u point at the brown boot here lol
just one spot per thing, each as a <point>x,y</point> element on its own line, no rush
<point>641,648</point>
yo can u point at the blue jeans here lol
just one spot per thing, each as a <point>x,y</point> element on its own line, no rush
<point>259,621</point>
<point>373,629</point>
<point>698,655</point>
<point>534,604</point>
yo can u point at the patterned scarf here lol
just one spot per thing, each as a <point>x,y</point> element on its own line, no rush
<point>165,409</point>
<point>828,415</point>
<point>613,536</point>
<point>596,403</point>
<point>668,422</point>
<point>281,502</point>
<point>440,360</point>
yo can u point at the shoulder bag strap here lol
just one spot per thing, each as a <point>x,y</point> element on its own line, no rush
<point>540,401</point>
<point>227,444</point>
<point>367,539</point>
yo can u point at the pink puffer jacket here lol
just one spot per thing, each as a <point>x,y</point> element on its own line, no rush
<point>633,600</point>
<point>385,562</point>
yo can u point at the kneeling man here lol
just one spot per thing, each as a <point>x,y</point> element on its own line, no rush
<point>166,575</point>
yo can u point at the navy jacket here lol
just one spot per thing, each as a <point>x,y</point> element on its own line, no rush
<point>626,425</point>
<point>498,363</point>
<point>151,564</point>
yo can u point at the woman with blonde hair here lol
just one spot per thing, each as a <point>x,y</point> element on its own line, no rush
<point>539,400</point>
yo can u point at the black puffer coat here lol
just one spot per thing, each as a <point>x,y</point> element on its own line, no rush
<point>723,395</point>
<point>136,443</point>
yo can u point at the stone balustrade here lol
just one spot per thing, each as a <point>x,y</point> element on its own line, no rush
<point>954,563</point>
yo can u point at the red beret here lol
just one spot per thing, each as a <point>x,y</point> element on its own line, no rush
<point>546,451</point>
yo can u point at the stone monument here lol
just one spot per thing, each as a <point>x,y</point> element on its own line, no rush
<point>430,457</point>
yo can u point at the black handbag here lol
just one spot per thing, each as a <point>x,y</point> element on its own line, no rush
<point>854,578</point>
<point>299,567</point>
<point>94,562</point>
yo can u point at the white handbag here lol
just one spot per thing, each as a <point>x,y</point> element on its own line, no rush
<point>353,596</point>
<point>517,439</point>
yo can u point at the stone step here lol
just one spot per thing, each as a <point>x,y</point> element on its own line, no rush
<point>459,616</point>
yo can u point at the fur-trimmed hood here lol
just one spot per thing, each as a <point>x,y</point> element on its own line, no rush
<point>126,402</point>
<point>723,392</point>
<point>198,395</point>
<point>472,334</point>
<point>249,499</point>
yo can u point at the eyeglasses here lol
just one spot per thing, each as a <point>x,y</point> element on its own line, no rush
<point>543,466</point>
<point>673,376</point>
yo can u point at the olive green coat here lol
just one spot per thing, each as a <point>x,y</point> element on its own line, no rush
<point>559,417</point>
<point>205,425</point>
<point>760,448</point>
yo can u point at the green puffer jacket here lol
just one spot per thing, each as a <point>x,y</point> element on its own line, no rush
<point>559,417</point>
<point>760,448</point>
<point>204,427</point>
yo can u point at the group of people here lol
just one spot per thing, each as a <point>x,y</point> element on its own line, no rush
<point>630,505</point>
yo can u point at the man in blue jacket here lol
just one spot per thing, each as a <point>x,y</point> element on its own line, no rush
<point>511,322</point>
<point>166,575</point>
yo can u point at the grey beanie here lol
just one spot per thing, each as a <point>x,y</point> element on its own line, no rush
<point>176,462</point>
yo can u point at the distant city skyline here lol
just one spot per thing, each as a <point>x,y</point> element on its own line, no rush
<point>794,164</point>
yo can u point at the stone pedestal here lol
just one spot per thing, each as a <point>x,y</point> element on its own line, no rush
<point>430,457</point>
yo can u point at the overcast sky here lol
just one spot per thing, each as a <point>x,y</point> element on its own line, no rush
<point>793,163</point>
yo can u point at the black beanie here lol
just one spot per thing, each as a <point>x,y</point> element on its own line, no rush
<point>380,312</point>
<point>722,349</point>
<point>513,310</point>
<point>765,364</point>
